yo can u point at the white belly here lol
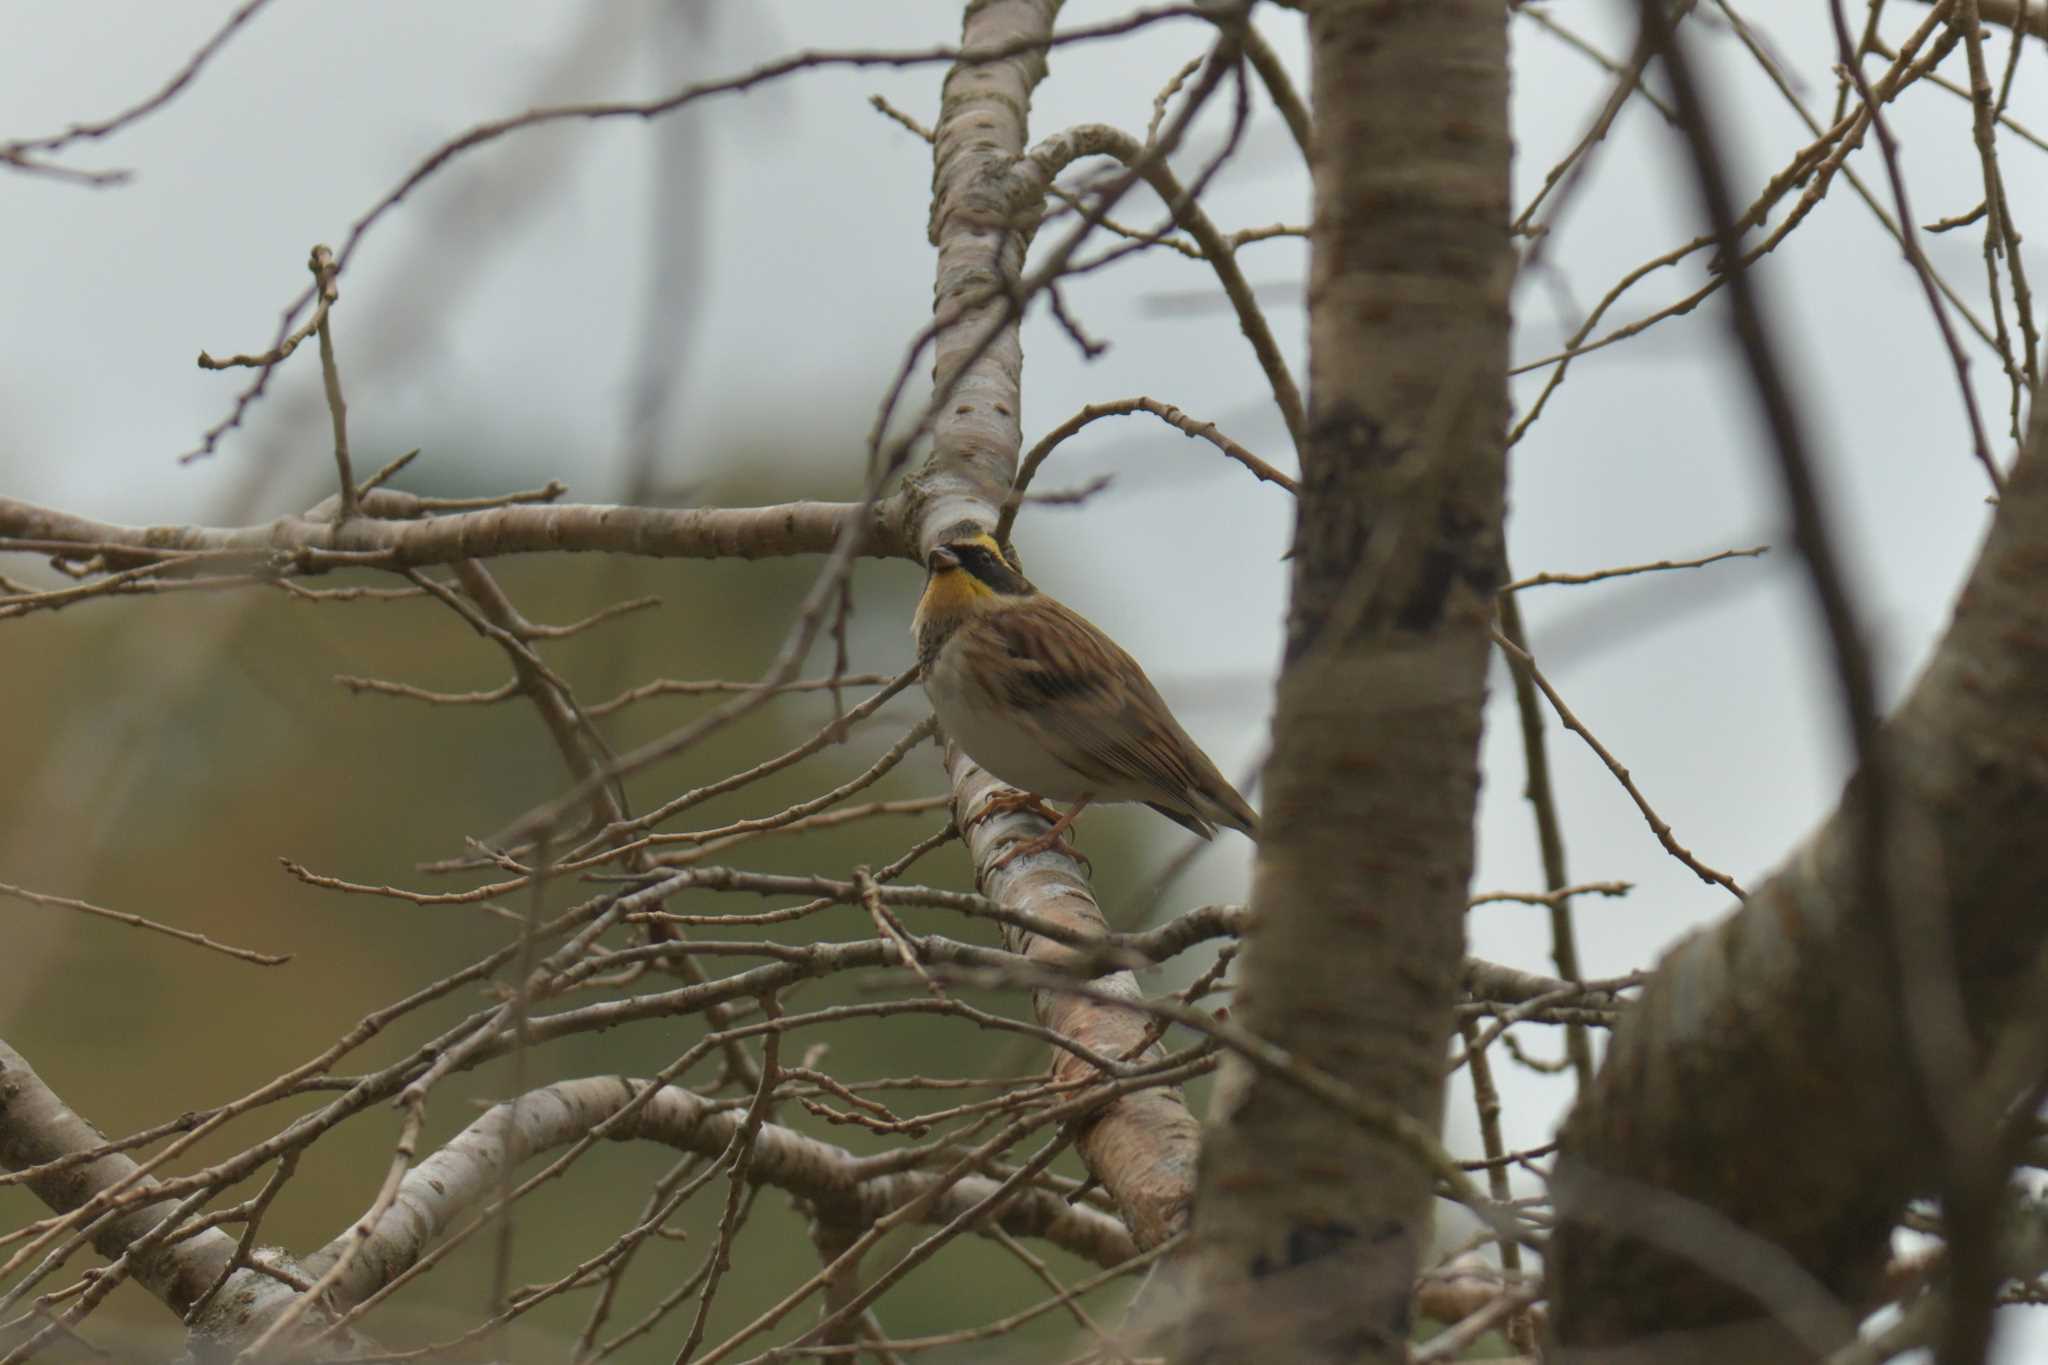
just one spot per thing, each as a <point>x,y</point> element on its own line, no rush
<point>1007,749</point>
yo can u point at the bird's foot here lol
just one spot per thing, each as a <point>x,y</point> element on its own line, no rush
<point>1046,842</point>
<point>1051,839</point>
<point>1010,802</point>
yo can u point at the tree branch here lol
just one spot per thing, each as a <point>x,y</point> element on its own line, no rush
<point>1141,1147</point>
<point>36,1127</point>
<point>1033,176</point>
<point>464,1176</point>
<point>400,530</point>
<point>1790,1013</point>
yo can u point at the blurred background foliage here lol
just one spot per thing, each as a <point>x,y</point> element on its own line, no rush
<point>164,753</point>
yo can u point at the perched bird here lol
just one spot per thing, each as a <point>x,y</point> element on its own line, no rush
<point>1049,704</point>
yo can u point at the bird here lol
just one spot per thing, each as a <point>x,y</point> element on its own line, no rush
<point>1045,701</point>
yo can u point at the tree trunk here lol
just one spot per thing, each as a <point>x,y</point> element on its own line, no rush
<point>1309,1224</point>
<point>1763,1217</point>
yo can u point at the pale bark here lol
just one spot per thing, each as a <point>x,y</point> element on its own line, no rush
<point>37,1128</point>
<point>1309,1225</point>
<point>1140,1146</point>
<point>978,359</point>
<point>402,531</point>
<point>466,1174</point>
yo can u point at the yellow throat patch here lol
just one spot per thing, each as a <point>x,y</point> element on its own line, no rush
<point>953,592</point>
<point>950,592</point>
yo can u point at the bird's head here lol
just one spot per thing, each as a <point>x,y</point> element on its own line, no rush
<point>967,573</point>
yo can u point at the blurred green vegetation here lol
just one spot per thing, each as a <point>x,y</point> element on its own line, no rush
<point>163,753</point>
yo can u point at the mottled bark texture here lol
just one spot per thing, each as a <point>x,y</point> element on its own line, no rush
<point>1309,1225</point>
<point>36,1127</point>
<point>403,530</point>
<point>1140,1146</point>
<point>1763,1087</point>
<point>978,361</point>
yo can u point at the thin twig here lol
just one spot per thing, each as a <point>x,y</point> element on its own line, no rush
<point>138,922</point>
<point>169,91</point>
<point>1561,894</point>
<point>1123,407</point>
<point>1599,575</point>
<point>1888,147</point>
<point>1658,825</point>
<point>321,263</point>
<point>352,1245</point>
<point>887,926</point>
<point>485,133</point>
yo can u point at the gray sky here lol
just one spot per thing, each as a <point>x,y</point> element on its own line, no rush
<point>506,300</point>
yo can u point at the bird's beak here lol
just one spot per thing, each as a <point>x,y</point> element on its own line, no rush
<point>943,559</point>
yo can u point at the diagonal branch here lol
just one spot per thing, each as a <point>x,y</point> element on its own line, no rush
<point>1791,1012</point>
<point>36,1127</point>
<point>1140,1146</point>
<point>464,1176</point>
<point>1033,177</point>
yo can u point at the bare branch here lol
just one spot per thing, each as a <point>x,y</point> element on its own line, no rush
<point>1165,412</point>
<point>1033,174</point>
<point>392,534</point>
<point>138,922</point>
<point>1031,46</point>
<point>1659,826</point>
<point>37,1129</point>
<point>1599,575</point>
<point>21,148</point>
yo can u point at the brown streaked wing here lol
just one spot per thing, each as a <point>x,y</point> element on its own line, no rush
<point>1081,688</point>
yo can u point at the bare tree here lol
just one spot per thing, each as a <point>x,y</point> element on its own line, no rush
<point>1856,1049</point>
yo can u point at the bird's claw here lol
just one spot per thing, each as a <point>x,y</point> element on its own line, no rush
<point>1010,802</point>
<point>1051,840</point>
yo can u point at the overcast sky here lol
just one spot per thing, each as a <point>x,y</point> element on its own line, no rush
<point>772,248</point>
